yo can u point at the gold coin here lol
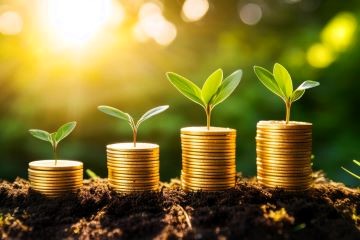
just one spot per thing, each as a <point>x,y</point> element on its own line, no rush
<point>200,173</point>
<point>129,147</point>
<point>55,188</point>
<point>207,186</point>
<point>212,165</point>
<point>208,150</point>
<point>288,147</point>
<point>193,179</point>
<point>136,165</point>
<point>210,156</point>
<point>133,184</point>
<point>208,161</point>
<point>55,173</point>
<point>215,141</point>
<point>137,161</point>
<point>282,124</point>
<point>55,179</point>
<point>203,166</point>
<point>55,185</point>
<point>138,179</point>
<point>49,165</point>
<point>275,151</point>
<point>80,175</point>
<point>283,180</point>
<point>290,159</point>
<point>283,138</point>
<point>283,173</point>
<point>119,159</point>
<point>133,154</point>
<point>134,171</point>
<point>283,166</point>
<point>288,188</point>
<point>285,133</point>
<point>134,188</point>
<point>194,169</point>
<point>207,131</point>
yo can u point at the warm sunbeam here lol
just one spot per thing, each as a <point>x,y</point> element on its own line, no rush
<point>74,23</point>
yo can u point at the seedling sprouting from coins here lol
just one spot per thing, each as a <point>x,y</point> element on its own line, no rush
<point>213,91</point>
<point>351,173</point>
<point>125,116</point>
<point>280,83</point>
<point>55,137</point>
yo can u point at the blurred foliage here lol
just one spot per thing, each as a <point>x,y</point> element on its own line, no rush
<point>42,87</point>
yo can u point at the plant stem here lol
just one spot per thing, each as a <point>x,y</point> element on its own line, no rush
<point>134,136</point>
<point>208,116</point>
<point>55,153</point>
<point>288,106</point>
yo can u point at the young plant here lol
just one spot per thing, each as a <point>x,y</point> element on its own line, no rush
<point>280,83</point>
<point>213,91</point>
<point>125,116</point>
<point>351,173</point>
<point>55,137</point>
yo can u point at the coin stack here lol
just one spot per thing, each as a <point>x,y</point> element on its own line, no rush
<point>52,179</point>
<point>208,158</point>
<point>133,169</point>
<point>284,154</point>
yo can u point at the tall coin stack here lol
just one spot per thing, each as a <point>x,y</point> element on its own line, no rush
<point>284,154</point>
<point>54,180</point>
<point>133,169</point>
<point>208,158</point>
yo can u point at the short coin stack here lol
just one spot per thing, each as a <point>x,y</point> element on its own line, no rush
<point>208,158</point>
<point>284,154</point>
<point>54,180</point>
<point>133,169</point>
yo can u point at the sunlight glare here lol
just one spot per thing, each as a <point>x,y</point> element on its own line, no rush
<point>73,23</point>
<point>10,23</point>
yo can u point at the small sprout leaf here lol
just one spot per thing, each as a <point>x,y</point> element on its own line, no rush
<point>186,87</point>
<point>211,85</point>
<point>213,92</point>
<point>152,112</point>
<point>280,83</point>
<point>297,94</point>
<point>268,80</point>
<point>91,174</point>
<point>125,116</point>
<point>356,162</point>
<point>55,137</point>
<point>40,134</point>
<point>351,173</point>
<point>64,131</point>
<point>115,113</point>
<point>283,79</point>
<point>308,84</point>
<point>227,87</point>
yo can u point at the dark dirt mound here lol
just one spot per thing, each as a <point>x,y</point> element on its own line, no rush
<point>327,211</point>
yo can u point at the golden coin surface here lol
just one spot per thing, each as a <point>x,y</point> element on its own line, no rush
<point>220,181</point>
<point>284,133</point>
<point>282,151</point>
<point>211,174</point>
<point>269,136</point>
<point>38,179</point>
<point>129,147</point>
<point>134,164</point>
<point>288,188</point>
<point>121,159</point>
<point>208,141</point>
<point>186,165</point>
<point>282,124</point>
<point>283,173</point>
<point>131,172</point>
<point>133,154</point>
<point>206,186</point>
<point>284,147</point>
<point>134,188</point>
<point>207,150</point>
<point>49,165</point>
<point>210,156</point>
<point>194,169</point>
<point>54,188</point>
<point>284,166</point>
<point>204,164</point>
<point>208,161</point>
<point>60,177</point>
<point>285,180</point>
<point>55,173</point>
<point>55,185</point>
<point>207,131</point>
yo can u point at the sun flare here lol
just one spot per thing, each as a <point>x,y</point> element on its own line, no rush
<point>72,23</point>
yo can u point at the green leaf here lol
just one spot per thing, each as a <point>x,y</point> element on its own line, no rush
<point>186,87</point>
<point>152,112</point>
<point>351,173</point>
<point>308,84</point>
<point>227,87</point>
<point>91,174</point>
<point>114,112</point>
<point>283,79</point>
<point>40,134</point>
<point>64,131</point>
<point>297,94</point>
<point>356,162</point>
<point>268,80</point>
<point>211,85</point>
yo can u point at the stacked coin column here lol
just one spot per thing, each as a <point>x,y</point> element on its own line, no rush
<point>208,158</point>
<point>54,180</point>
<point>133,169</point>
<point>284,154</point>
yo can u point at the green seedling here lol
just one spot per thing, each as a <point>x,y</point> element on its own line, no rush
<point>351,173</point>
<point>55,137</point>
<point>213,91</point>
<point>125,116</point>
<point>91,174</point>
<point>280,83</point>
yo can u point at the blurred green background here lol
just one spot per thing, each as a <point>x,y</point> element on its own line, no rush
<point>59,60</point>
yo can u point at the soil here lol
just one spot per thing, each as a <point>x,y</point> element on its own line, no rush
<point>327,211</point>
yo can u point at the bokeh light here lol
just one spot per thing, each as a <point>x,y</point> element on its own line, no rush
<point>10,23</point>
<point>250,13</point>
<point>339,33</point>
<point>152,24</point>
<point>194,10</point>
<point>319,55</point>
